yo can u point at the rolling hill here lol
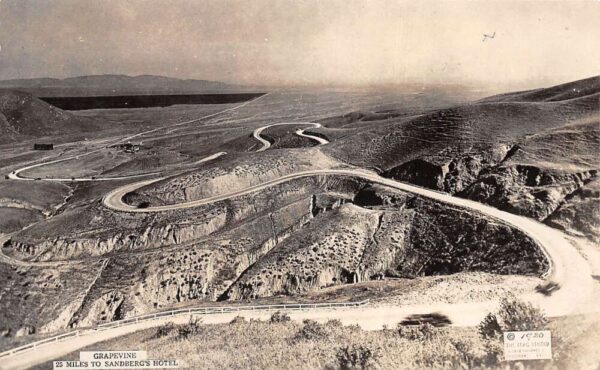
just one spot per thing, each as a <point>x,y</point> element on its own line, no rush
<point>531,153</point>
<point>23,116</point>
<point>571,90</point>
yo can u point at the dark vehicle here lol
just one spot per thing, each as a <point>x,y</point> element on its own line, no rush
<point>435,319</point>
<point>547,289</point>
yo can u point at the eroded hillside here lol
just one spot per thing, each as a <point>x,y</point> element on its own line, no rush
<point>305,236</point>
<point>293,238</point>
<point>529,153</point>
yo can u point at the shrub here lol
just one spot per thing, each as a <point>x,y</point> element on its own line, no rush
<point>421,332</point>
<point>493,353</point>
<point>334,323</point>
<point>164,330</point>
<point>278,317</point>
<point>311,330</point>
<point>513,315</point>
<point>193,327</point>
<point>517,315</point>
<point>238,320</point>
<point>489,328</point>
<point>467,355</point>
<point>356,357</point>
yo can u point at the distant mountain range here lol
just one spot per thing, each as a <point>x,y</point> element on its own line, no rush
<point>102,85</point>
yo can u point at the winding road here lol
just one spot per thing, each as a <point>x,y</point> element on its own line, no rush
<point>16,174</point>
<point>567,268</point>
<point>267,144</point>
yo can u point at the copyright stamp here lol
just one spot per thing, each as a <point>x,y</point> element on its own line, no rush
<point>527,345</point>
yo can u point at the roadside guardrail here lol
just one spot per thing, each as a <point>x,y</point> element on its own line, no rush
<point>179,312</point>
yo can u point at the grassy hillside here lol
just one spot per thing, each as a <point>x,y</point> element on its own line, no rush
<point>330,345</point>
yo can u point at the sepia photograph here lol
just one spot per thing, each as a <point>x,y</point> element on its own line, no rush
<point>300,184</point>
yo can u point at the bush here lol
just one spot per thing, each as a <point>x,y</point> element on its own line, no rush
<point>493,353</point>
<point>193,327</point>
<point>421,332</point>
<point>334,323</point>
<point>238,320</point>
<point>489,328</point>
<point>311,330</point>
<point>467,353</point>
<point>164,330</point>
<point>517,315</point>
<point>513,315</point>
<point>356,357</point>
<point>278,317</point>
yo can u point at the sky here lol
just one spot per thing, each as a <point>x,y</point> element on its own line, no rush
<point>300,42</point>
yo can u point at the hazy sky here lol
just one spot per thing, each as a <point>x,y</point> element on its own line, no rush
<point>295,42</point>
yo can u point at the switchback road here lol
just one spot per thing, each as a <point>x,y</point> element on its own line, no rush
<point>567,268</point>
<point>267,144</point>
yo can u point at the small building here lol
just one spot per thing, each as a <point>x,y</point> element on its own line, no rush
<point>39,146</point>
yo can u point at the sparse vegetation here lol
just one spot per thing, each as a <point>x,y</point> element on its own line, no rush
<point>192,328</point>
<point>238,320</point>
<point>279,317</point>
<point>311,331</point>
<point>334,323</point>
<point>327,346</point>
<point>164,330</point>
<point>422,332</point>
<point>227,346</point>
<point>356,357</point>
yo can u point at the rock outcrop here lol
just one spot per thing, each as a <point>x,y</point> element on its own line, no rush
<point>448,172</point>
<point>527,190</point>
<point>579,212</point>
<point>25,330</point>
